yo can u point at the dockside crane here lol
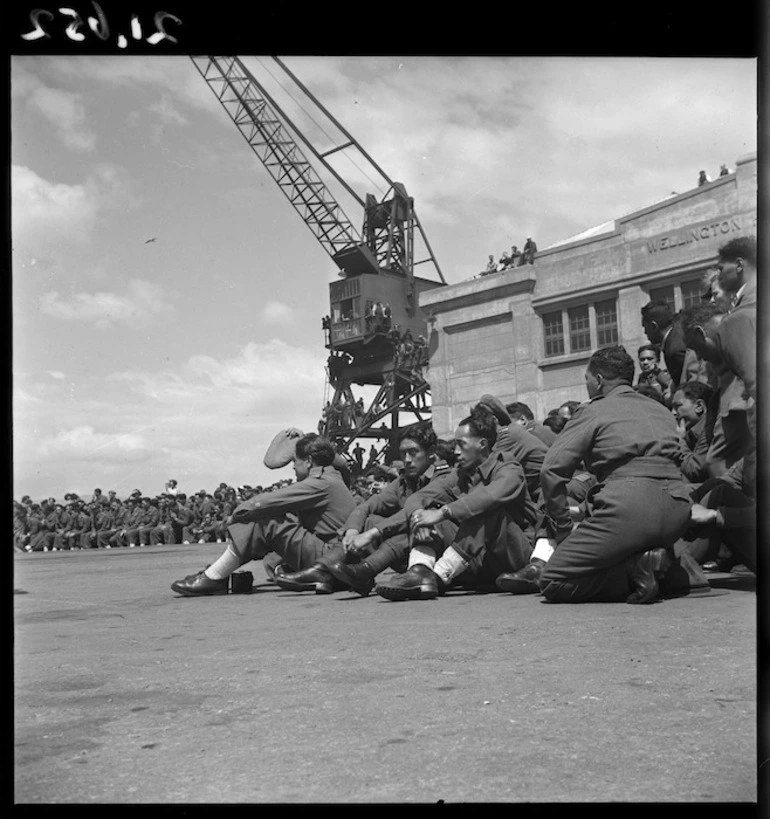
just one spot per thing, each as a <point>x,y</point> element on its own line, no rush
<point>375,331</point>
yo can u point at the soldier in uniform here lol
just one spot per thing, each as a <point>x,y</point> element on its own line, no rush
<point>489,504</point>
<point>639,508</point>
<point>374,537</point>
<point>150,521</point>
<point>102,524</point>
<point>297,520</point>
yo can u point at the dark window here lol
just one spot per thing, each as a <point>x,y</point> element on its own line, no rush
<point>691,292</point>
<point>579,329</point>
<point>606,323</point>
<point>664,294</point>
<point>553,330</point>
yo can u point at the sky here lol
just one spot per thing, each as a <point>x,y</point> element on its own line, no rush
<point>136,361</point>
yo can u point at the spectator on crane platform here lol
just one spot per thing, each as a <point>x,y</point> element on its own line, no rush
<point>375,535</point>
<point>296,521</point>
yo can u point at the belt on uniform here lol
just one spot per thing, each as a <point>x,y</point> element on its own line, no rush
<point>645,468</point>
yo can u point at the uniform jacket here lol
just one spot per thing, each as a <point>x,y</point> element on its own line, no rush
<point>321,501</point>
<point>526,448</point>
<point>498,482</point>
<point>622,430</point>
<point>391,501</point>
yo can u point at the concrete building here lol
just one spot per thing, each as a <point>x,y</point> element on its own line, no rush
<point>526,333</point>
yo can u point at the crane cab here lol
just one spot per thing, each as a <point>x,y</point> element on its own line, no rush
<point>366,307</point>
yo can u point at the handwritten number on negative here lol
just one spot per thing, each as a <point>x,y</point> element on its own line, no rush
<point>161,33</point>
<point>38,32</point>
<point>99,26</point>
<point>72,29</point>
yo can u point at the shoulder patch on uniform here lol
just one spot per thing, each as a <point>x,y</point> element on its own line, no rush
<point>584,476</point>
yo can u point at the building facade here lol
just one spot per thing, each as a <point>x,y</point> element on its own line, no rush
<point>526,333</point>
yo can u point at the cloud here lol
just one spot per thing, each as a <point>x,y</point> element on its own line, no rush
<point>56,374</point>
<point>142,302</point>
<point>63,110</point>
<point>85,443</point>
<point>47,214</point>
<point>206,421</point>
<point>276,312</point>
<point>47,209</point>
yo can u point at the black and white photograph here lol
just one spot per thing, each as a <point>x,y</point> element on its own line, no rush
<point>383,425</point>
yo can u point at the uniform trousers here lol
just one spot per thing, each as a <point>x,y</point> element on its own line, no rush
<point>628,516</point>
<point>492,544</point>
<point>284,534</point>
<point>705,542</point>
<point>730,442</point>
<point>389,554</point>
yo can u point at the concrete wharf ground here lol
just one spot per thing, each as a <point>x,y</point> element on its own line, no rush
<point>126,693</point>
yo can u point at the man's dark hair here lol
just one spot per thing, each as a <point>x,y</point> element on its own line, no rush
<point>699,315</point>
<point>695,390</point>
<point>422,434</point>
<point>654,347</point>
<point>658,311</point>
<point>649,391</point>
<point>614,363</point>
<point>571,405</point>
<point>319,450</point>
<point>482,424</point>
<point>445,451</point>
<point>743,247</point>
<point>556,423</point>
<point>518,409</point>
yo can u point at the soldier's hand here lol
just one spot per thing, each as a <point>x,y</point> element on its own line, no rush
<point>348,537</point>
<point>424,534</point>
<point>426,517</point>
<point>702,514</point>
<point>365,541</point>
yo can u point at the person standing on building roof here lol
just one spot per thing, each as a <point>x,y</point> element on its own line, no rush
<point>491,266</point>
<point>529,252</point>
<point>703,179</point>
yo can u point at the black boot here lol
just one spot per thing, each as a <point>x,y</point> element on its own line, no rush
<point>359,576</point>
<point>316,579</point>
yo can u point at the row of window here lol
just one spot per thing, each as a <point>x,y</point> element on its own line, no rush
<point>578,320</point>
<point>590,326</point>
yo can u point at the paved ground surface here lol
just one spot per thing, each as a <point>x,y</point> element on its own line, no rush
<point>125,693</point>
